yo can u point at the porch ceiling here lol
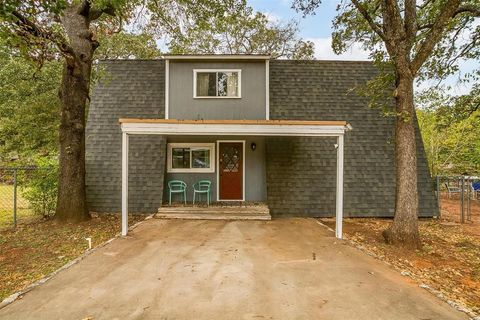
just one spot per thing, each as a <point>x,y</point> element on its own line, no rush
<point>234,127</point>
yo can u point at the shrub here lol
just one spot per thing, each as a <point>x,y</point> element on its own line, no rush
<point>40,187</point>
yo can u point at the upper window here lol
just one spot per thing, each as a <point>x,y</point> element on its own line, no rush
<point>210,83</point>
<point>191,157</point>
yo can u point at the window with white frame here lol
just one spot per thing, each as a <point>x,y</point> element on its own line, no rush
<point>209,83</point>
<point>191,157</point>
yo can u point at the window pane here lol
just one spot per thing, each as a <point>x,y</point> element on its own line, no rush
<point>180,158</point>
<point>206,84</point>
<point>228,84</point>
<point>200,158</point>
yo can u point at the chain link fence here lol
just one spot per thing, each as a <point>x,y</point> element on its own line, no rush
<point>20,197</point>
<point>459,198</point>
<point>27,193</point>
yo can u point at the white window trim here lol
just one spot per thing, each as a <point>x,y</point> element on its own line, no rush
<point>210,146</point>
<point>195,71</point>
<point>218,171</point>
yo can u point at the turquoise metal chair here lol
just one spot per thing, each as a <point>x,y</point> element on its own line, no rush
<point>203,187</point>
<point>177,186</point>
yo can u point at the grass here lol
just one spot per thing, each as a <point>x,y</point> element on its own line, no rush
<point>34,250</point>
<point>24,214</point>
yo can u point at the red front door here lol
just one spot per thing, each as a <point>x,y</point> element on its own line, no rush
<point>231,170</point>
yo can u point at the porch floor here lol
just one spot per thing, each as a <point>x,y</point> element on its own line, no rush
<point>216,211</point>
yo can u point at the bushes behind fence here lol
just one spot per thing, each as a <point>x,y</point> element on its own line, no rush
<point>39,187</point>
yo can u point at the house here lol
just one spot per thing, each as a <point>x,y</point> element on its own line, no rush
<point>292,134</point>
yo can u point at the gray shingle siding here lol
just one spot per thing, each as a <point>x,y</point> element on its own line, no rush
<point>301,172</point>
<point>128,89</point>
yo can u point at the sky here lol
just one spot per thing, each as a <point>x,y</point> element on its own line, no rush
<point>318,28</point>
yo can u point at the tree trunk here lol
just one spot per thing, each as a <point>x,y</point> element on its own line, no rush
<point>404,229</point>
<point>74,92</point>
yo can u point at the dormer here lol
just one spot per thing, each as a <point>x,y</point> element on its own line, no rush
<point>220,87</point>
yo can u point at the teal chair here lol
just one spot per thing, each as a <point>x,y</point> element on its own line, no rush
<point>177,186</point>
<point>202,187</point>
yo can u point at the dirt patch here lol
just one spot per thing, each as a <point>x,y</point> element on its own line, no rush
<point>32,251</point>
<point>449,261</point>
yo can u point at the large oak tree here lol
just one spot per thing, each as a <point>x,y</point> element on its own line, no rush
<point>41,29</point>
<point>408,35</point>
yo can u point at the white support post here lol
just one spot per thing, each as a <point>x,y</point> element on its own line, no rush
<point>167,89</point>
<point>124,183</point>
<point>267,89</point>
<point>339,197</point>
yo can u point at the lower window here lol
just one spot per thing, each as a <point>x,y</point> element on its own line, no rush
<point>191,157</point>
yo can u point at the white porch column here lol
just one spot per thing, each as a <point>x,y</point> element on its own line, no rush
<point>124,183</point>
<point>339,196</point>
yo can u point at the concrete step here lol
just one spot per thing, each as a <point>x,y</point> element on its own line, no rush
<point>215,213</point>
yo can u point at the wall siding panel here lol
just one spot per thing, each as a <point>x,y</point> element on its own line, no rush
<point>128,89</point>
<point>301,172</point>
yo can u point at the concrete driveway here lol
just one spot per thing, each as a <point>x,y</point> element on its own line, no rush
<point>280,269</point>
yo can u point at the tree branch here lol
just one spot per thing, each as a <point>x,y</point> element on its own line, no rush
<point>410,23</point>
<point>473,10</point>
<point>29,28</point>
<point>393,25</point>
<point>473,44</point>
<point>94,14</point>
<point>83,8</point>
<point>86,9</point>
<point>425,26</point>
<point>434,35</point>
<point>375,27</point>
<point>424,4</point>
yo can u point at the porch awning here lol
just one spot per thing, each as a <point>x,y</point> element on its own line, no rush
<point>299,128</point>
<point>234,127</point>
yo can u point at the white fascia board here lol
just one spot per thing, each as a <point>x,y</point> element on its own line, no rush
<point>232,129</point>
<point>216,57</point>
